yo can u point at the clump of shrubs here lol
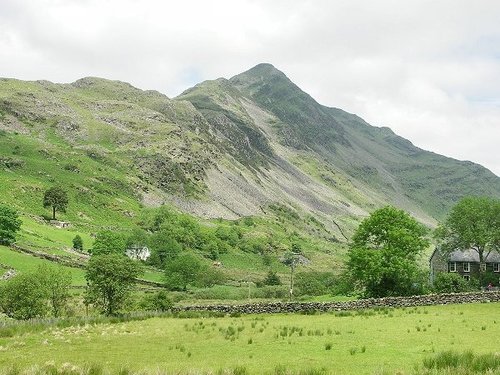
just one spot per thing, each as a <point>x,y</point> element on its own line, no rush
<point>452,283</point>
<point>159,301</point>
<point>271,279</point>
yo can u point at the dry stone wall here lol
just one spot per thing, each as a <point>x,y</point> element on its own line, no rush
<point>370,303</point>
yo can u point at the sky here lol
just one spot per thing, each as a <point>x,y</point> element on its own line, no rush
<point>429,70</point>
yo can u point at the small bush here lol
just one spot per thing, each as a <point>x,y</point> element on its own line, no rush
<point>272,291</point>
<point>451,283</point>
<point>272,279</point>
<point>78,243</point>
<point>7,332</point>
<point>314,283</point>
<point>72,168</point>
<point>159,301</point>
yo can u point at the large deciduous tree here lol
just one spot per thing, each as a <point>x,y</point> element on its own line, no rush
<point>382,257</point>
<point>473,223</point>
<point>110,278</point>
<point>163,248</point>
<point>182,271</point>
<point>9,225</point>
<point>57,199</point>
<point>108,242</point>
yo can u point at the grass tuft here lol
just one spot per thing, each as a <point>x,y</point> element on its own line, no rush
<point>465,362</point>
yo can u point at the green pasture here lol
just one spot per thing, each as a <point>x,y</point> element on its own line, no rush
<point>39,236</point>
<point>365,342</point>
<point>99,193</point>
<point>26,263</point>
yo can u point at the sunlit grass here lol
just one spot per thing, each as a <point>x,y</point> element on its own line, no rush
<point>373,341</point>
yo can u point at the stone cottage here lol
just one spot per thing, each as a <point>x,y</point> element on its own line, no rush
<point>463,262</point>
<point>138,252</point>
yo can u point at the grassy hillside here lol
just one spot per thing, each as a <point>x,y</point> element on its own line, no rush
<point>27,263</point>
<point>252,146</point>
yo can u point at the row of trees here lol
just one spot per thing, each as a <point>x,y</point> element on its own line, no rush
<point>385,249</point>
<point>46,290</point>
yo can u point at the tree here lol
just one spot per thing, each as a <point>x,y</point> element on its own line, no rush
<point>473,223</point>
<point>57,282</point>
<point>56,198</point>
<point>382,257</point>
<point>110,278</point>
<point>78,243</point>
<point>9,225</point>
<point>291,259</point>
<point>209,276</point>
<point>108,242</point>
<point>24,297</point>
<point>163,248</point>
<point>182,271</point>
<point>35,294</point>
<point>138,237</point>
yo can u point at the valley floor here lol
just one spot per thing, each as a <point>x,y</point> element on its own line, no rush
<point>364,342</point>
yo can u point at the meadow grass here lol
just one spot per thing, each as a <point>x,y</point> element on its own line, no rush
<point>46,238</point>
<point>369,342</point>
<point>27,263</point>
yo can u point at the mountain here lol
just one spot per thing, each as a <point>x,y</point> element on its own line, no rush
<point>253,144</point>
<point>316,147</point>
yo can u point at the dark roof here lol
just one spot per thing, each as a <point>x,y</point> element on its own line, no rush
<point>471,255</point>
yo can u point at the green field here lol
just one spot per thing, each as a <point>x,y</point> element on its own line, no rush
<point>368,342</point>
<point>27,263</point>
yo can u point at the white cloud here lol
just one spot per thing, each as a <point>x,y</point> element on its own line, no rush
<point>429,70</point>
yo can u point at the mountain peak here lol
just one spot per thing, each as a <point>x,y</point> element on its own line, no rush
<point>263,68</point>
<point>263,72</point>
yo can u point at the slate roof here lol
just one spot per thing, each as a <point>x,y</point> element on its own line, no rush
<point>471,255</point>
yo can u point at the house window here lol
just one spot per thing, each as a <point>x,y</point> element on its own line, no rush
<point>496,267</point>
<point>467,267</point>
<point>467,277</point>
<point>453,267</point>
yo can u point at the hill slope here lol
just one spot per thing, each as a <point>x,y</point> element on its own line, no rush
<point>224,148</point>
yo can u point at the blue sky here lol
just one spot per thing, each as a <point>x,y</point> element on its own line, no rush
<point>430,70</point>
